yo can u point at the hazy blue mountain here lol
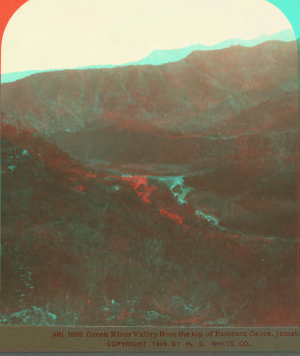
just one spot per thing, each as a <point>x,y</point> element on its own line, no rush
<point>158,57</point>
<point>12,77</point>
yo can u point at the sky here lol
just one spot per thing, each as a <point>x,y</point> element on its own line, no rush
<point>47,34</point>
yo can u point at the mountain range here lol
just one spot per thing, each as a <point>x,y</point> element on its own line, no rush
<point>159,57</point>
<point>153,194</point>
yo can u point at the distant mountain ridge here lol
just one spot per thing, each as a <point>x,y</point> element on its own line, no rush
<point>226,120</point>
<point>192,96</point>
<point>159,57</point>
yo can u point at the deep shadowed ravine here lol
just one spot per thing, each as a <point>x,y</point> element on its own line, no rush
<point>153,195</point>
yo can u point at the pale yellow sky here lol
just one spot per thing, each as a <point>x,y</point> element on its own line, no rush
<point>47,34</point>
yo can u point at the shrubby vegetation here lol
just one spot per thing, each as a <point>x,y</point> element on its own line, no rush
<point>98,256</point>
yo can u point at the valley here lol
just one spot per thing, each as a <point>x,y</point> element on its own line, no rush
<point>153,195</point>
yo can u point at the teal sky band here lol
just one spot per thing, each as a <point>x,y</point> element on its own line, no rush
<point>158,57</point>
<point>291,9</point>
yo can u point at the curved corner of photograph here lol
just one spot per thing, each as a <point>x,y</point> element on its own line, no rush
<point>149,169</point>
